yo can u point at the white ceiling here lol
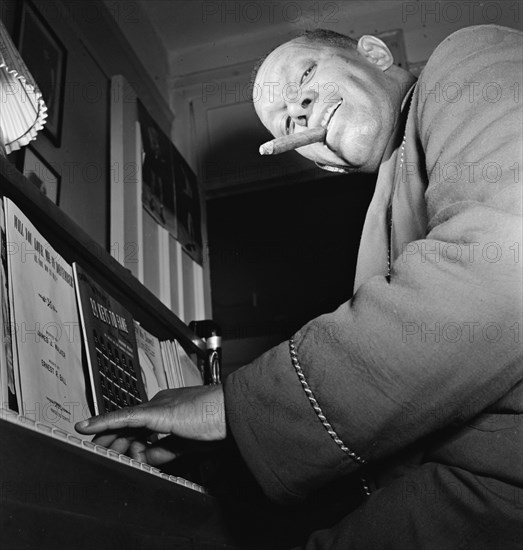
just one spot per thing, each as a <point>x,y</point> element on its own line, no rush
<point>174,38</point>
<point>185,24</point>
<point>184,43</point>
<point>202,34</point>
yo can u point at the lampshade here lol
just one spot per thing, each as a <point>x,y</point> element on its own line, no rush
<point>22,109</point>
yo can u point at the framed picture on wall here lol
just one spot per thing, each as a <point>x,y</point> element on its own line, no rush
<point>46,58</point>
<point>39,172</point>
<point>188,204</point>
<point>158,186</point>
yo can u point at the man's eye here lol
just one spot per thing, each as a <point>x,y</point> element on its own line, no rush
<point>307,73</point>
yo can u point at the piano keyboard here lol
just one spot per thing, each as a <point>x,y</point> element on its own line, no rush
<point>30,424</point>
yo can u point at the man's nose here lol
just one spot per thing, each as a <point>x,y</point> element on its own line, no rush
<point>299,105</point>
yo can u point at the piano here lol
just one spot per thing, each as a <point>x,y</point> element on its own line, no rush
<point>58,491</point>
<point>61,492</point>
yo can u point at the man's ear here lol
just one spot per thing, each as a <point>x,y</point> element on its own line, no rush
<point>375,51</point>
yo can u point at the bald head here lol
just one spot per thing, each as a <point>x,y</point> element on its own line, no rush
<point>351,88</point>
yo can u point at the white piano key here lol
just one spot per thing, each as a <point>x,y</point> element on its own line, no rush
<point>74,440</point>
<point>44,428</point>
<point>100,450</point>
<point>28,422</point>
<point>56,433</point>
<point>59,434</point>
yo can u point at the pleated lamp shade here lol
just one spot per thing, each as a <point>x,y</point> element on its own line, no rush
<point>22,109</point>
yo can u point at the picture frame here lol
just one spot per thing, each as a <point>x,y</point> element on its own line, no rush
<point>188,208</point>
<point>46,58</point>
<point>158,182</point>
<point>39,172</point>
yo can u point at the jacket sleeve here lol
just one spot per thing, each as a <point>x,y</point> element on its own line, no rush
<point>440,340</point>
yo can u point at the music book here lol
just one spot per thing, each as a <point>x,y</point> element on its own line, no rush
<point>111,347</point>
<point>191,374</point>
<point>151,362</point>
<point>49,378</point>
<point>170,364</point>
<point>8,391</point>
<point>180,369</point>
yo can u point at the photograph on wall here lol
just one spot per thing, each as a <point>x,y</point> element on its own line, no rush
<point>41,174</point>
<point>46,58</point>
<point>189,211</point>
<point>158,189</point>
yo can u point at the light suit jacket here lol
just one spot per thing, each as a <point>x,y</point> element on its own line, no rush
<point>428,358</point>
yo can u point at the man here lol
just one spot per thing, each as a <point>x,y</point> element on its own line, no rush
<point>415,383</point>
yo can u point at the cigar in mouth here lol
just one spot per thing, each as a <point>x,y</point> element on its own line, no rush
<point>293,141</point>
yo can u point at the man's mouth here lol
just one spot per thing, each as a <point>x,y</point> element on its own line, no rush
<point>329,113</point>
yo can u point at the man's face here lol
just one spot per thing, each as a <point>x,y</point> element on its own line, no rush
<point>302,85</point>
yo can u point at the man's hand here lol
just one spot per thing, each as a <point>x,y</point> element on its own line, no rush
<point>195,413</point>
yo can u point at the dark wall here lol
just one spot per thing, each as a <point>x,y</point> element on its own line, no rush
<point>96,50</point>
<point>81,157</point>
<point>283,256</point>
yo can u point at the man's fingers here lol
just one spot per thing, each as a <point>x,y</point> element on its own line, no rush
<point>122,444</point>
<point>192,413</point>
<point>131,417</point>
<point>157,455</point>
<point>119,442</point>
<point>137,451</point>
<point>106,440</point>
